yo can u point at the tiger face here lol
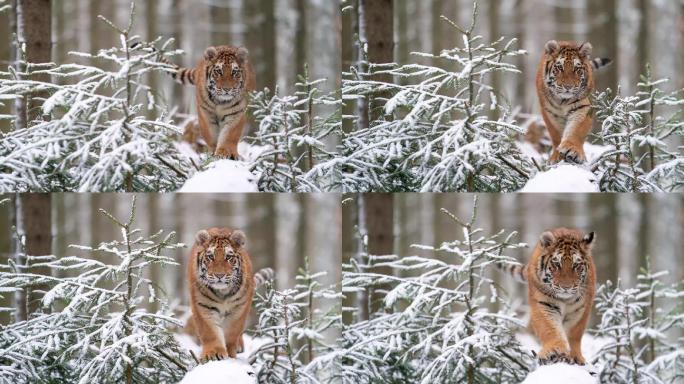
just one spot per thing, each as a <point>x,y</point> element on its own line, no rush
<point>219,258</point>
<point>563,265</point>
<point>567,72</point>
<point>225,72</point>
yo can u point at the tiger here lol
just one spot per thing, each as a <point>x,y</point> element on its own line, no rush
<point>223,78</point>
<point>561,279</point>
<point>565,79</point>
<point>222,287</point>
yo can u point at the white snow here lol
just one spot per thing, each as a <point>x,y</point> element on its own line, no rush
<point>562,178</point>
<point>237,370</point>
<point>560,373</point>
<point>251,344</point>
<point>233,371</point>
<point>222,176</point>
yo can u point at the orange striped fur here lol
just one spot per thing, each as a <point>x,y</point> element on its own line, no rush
<point>222,78</point>
<point>565,79</point>
<point>221,290</point>
<point>561,279</point>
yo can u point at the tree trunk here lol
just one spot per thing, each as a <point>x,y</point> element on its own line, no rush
<point>379,221</point>
<point>35,226</point>
<point>376,29</point>
<point>34,33</point>
<point>603,37</point>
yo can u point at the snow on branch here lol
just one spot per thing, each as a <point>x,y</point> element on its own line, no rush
<point>92,325</point>
<point>638,128</point>
<point>295,129</point>
<point>100,128</point>
<point>297,323</point>
<point>444,127</point>
<point>434,322</point>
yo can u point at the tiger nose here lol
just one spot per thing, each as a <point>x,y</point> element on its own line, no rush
<point>220,275</point>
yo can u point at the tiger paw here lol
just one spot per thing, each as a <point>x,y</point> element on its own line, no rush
<point>577,359</point>
<point>213,353</point>
<point>554,357</point>
<point>226,154</point>
<point>571,153</point>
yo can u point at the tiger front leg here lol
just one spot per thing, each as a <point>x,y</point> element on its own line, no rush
<point>233,333</point>
<point>548,328</point>
<point>571,148</point>
<point>211,337</point>
<point>227,145</point>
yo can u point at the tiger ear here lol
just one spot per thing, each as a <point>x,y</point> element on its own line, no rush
<point>202,237</point>
<point>546,239</point>
<point>585,49</point>
<point>210,53</point>
<point>588,239</point>
<point>551,47</point>
<point>238,238</point>
<point>242,54</point>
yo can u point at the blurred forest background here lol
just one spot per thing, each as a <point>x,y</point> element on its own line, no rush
<point>281,230</point>
<point>631,32</point>
<point>629,227</point>
<point>281,36</point>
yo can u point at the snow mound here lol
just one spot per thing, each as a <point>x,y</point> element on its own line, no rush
<point>252,344</point>
<point>562,178</point>
<point>222,176</point>
<point>560,373</point>
<point>591,151</point>
<point>231,371</point>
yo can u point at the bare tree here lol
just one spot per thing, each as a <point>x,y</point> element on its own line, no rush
<point>34,35</point>
<point>376,31</point>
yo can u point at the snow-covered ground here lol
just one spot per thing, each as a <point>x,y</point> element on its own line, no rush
<point>233,371</point>
<point>560,374</point>
<point>223,175</point>
<point>562,178</point>
<point>564,373</point>
<point>229,371</point>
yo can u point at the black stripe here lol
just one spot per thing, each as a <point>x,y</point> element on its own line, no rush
<point>554,114</point>
<point>191,77</point>
<point>239,112</point>
<point>570,112</point>
<point>209,307</point>
<point>207,296</point>
<point>544,262</point>
<point>552,307</point>
<point>522,274</point>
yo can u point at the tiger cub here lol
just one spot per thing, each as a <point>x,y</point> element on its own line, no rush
<point>221,290</point>
<point>561,280</point>
<point>565,79</point>
<point>222,78</point>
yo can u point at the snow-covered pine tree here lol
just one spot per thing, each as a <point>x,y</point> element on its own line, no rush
<point>294,130</point>
<point>298,352</point>
<point>645,334</point>
<point>640,129</point>
<point>93,133</point>
<point>435,325</point>
<point>92,326</point>
<point>444,128</point>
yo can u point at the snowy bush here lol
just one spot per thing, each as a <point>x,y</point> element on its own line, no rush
<point>435,323</point>
<point>101,128</point>
<point>294,131</point>
<point>638,129</point>
<point>92,326</point>
<point>645,331</point>
<point>443,128</point>
<point>292,319</point>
